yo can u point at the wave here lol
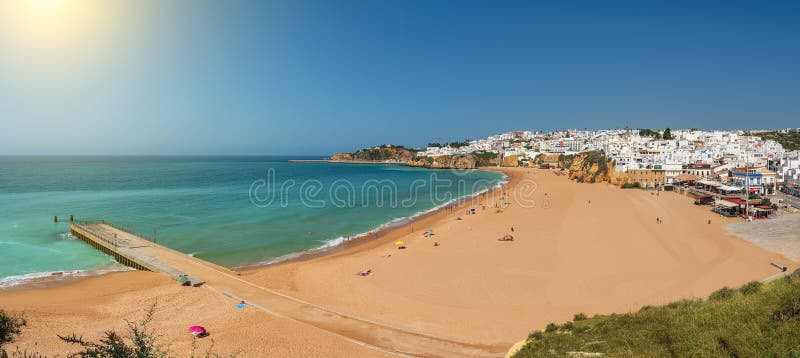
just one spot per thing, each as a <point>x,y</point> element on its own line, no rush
<point>331,243</point>
<point>55,276</point>
<point>67,236</point>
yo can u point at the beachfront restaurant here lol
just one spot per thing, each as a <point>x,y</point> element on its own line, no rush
<point>760,212</point>
<point>707,185</point>
<point>726,208</point>
<point>729,189</point>
<point>718,188</point>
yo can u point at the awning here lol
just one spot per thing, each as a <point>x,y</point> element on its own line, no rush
<point>729,188</point>
<point>726,204</point>
<point>710,183</point>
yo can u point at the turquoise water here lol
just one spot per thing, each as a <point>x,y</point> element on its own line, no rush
<point>216,208</point>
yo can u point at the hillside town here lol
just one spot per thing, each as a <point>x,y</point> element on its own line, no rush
<point>715,166</point>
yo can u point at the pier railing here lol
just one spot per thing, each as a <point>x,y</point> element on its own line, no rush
<point>120,228</point>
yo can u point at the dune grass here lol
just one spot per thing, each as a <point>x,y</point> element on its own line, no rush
<point>753,321</point>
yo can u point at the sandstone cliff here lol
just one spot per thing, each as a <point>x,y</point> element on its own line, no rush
<point>511,161</point>
<point>588,167</point>
<point>383,153</point>
<point>465,161</point>
<point>398,154</point>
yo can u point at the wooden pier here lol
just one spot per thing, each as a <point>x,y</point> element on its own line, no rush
<point>139,252</point>
<point>133,250</point>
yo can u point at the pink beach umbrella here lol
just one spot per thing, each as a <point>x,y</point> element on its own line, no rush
<point>197,330</point>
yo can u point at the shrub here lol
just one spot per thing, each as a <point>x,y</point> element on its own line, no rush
<point>635,185</point>
<point>685,303</point>
<point>750,288</point>
<point>580,329</point>
<point>551,327</point>
<point>536,335</point>
<point>10,327</point>
<point>722,294</point>
<point>140,342</point>
<point>579,317</point>
<point>789,305</point>
<point>568,326</point>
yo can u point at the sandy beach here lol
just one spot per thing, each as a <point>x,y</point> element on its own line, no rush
<point>589,248</point>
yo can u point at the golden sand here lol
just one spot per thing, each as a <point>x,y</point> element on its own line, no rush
<point>593,248</point>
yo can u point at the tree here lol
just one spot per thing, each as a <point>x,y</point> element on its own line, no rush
<point>649,133</point>
<point>668,134</point>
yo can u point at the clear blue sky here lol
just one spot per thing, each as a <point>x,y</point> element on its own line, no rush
<point>317,77</point>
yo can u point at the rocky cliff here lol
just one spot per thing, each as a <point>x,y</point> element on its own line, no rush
<point>383,153</point>
<point>398,154</point>
<point>467,161</point>
<point>587,167</point>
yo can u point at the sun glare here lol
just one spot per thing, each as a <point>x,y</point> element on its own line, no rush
<point>47,6</point>
<point>53,31</point>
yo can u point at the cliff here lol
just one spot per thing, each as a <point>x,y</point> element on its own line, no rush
<point>587,167</point>
<point>467,161</point>
<point>384,153</point>
<point>398,154</point>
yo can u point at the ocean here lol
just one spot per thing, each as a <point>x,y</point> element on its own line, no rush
<point>232,211</point>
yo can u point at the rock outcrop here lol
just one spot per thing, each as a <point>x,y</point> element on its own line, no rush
<point>340,157</point>
<point>594,167</point>
<point>397,154</point>
<point>511,161</point>
<point>465,161</point>
<point>384,153</point>
<point>587,167</point>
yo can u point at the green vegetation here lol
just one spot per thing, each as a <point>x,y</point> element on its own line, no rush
<point>485,159</point>
<point>767,202</point>
<point>756,320</point>
<point>650,133</point>
<point>635,185</point>
<point>10,328</point>
<point>383,153</point>
<point>139,342</point>
<point>667,134</point>
<point>455,144</point>
<point>789,141</point>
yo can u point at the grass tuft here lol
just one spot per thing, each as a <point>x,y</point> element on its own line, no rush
<point>722,294</point>
<point>750,288</point>
<point>757,320</point>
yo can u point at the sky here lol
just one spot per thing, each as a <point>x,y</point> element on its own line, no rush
<point>152,77</point>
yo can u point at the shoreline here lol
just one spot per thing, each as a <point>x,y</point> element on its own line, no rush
<point>394,228</point>
<point>469,288</point>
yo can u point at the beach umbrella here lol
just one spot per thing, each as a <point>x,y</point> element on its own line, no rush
<point>429,230</point>
<point>197,330</point>
<point>508,237</point>
<point>398,242</point>
<point>182,278</point>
